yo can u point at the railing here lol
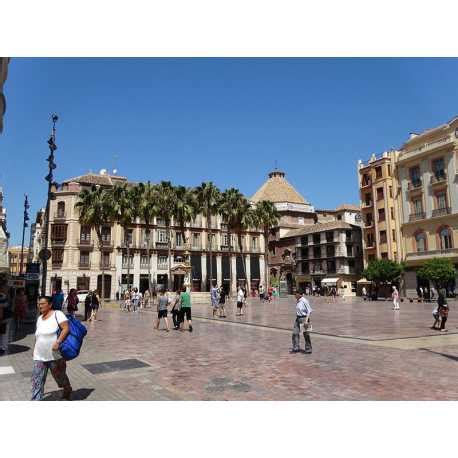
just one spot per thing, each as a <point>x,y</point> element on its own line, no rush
<point>438,177</point>
<point>413,185</point>
<point>57,262</point>
<point>441,211</point>
<point>227,248</point>
<point>367,204</point>
<point>162,266</point>
<point>446,251</point>
<point>427,147</point>
<point>85,243</point>
<point>417,216</point>
<point>126,265</point>
<point>84,265</point>
<point>196,247</point>
<point>60,215</point>
<point>162,244</point>
<point>56,243</point>
<point>366,183</point>
<point>107,243</point>
<point>105,265</point>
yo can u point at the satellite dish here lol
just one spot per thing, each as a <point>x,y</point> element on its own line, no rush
<point>103,172</point>
<point>115,171</point>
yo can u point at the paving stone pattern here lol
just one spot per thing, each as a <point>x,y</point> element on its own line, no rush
<point>361,351</point>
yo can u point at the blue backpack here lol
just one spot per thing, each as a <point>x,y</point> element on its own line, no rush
<point>71,346</point>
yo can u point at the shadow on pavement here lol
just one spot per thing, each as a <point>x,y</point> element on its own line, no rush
<point>77,395</point>
<point>445,355</point>
<point>14,348</point>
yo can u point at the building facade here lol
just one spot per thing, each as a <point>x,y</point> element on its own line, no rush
<point>427,172</point>
<point>4,61</point>
<point>379,208</point>
<point>4,266</point>
<point>77,261</point>
<point>14,258</point>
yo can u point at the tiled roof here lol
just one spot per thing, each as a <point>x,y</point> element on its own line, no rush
<point>348,207</point>
<point>320,227</point>
<point>278,189</point>
<point>97,179</point>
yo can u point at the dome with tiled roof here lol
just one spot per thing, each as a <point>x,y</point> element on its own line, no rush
<point>277,189</point>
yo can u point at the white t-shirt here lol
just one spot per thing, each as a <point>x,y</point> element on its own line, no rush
<point>46,335</point>
<point>240,296</point>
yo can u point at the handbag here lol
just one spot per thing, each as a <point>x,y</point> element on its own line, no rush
<point>70,348</point>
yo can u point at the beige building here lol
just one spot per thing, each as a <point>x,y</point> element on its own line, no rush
<point>4,267</point>
<point>76,259</point>
<point>427,172</point>
<point>14,257</point>
<point>4,61</point>
<point>379,208</point>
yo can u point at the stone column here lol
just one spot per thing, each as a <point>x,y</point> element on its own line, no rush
<point>203,261</point>
<point>118,270</point>
<point>262,271</point>
<point>248,273</point>
<point>234,275</point>
<point>153,269</point>
<point>219,270</point>
<point>136,270</point>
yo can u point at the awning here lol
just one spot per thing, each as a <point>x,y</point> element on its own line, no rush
<point>330,281</point>
<point>363,281</point>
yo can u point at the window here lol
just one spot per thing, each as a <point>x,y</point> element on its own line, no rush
<point>385,255</point>
<point>445,236</point>
<point>390,190</point>
<point>420,241</point>
<point>439,168</point>
<point>304,240</point>
<point>331,266</point>
<point>213,240</point>
<point>381,214</point>
<point>304,253</point>
<point>106,260</point>
<point>59,232</point>
<point>85,234</point>
<point>61,210</point>
<point>124,261</point>
<point>392,212</point>
<point>339,217</point>
<point>371,257</point>
<point>366,180</point>
<point>305,267</point>
<point>317,252</point>
<point>367,199</point>
<point>382,236</point>
<point>254,243</point>
<point>389,170</point>
<point>84,258</point>
<point>316,239</point>
<point>179,239</point>
<point>441,200</point>
<point>129,236</point>
<point>144,261</point>
<point>196,240</point>
<point>178,259</point>
<point>370,240</point>
<point>379,193</point>
<point>162,262</point>
<point>348,236</point>
<point>162,236</point>
<point>329,236</point>
<point>414,173</point>
<point>330,252</point>
<point>369,219</point>
<point>160,221</point>
<point>106,233</point>
<point>349,250</point>
<point>378,172</point>
<point>393,235</point>
<point>417,206</point>
<point>57,256</point>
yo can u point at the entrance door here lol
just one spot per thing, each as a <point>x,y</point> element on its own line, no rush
<point>107,288</point>
<point>178,282</point>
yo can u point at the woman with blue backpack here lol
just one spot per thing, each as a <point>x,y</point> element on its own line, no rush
<point>52,330</point>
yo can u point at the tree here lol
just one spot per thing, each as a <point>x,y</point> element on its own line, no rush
<point>95,210</point>
<point>439,271</point>
<point>208,202</point>
<point>166,205</point>
<point>123,207</point>
<point>266,217</point>
<point>147,209</point>
<point>383,271</point>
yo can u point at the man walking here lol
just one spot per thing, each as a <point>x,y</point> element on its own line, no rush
<point>214,299</point>
<point>395,297</point>
<point>302,323</point>
<point>57,300</point>
<point>185,302</point>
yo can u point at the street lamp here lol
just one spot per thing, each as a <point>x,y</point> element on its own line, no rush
<point>24,225</point>
<point>45,254</point>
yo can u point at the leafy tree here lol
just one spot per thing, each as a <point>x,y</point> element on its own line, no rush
<point>438,271</point>
<point>266,217</point>
<point>383,272</point>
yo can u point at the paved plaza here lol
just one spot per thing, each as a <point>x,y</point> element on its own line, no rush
<point>361,351</point>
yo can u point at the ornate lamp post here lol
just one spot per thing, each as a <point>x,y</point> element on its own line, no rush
<point>24,225</point>
<point>45,253</point>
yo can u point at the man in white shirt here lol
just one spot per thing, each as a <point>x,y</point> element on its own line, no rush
<point>303,312</point>
<point>240,301</point>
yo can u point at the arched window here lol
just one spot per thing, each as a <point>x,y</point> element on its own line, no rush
<point>445,238</point>
<point>420,241</point>
<point>61,210</point>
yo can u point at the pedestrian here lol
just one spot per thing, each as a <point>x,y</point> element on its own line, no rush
<point>20,308</point>
<point>269,294</point>
<point>176,307</point>
<point>58,300</point>
<point>6,315</point>
<point>364,292</point>
<point>433,293</point>
<point>127,300</point>
<point>136,298</point>
<point>240,301</point>
<point>437,318</point>
<point>395,297</point>
<point>420,294</point>
<point>222,302</point>
<point>442,308</point>
<point>87,306</point>
<point>185,303</point>
<point>72,302</point>
<point>46,354</point>
<point>302,324</point>
<point>146,298</point>
<point>162,305</point>
<point>95,304</point>
<point>261,293</point>
<point>214,300</point>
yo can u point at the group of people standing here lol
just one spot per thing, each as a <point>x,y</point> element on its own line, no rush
<point>180,305</point>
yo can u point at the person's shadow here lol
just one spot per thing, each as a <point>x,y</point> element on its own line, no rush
<point>77,395</point>
<point>15,348</point>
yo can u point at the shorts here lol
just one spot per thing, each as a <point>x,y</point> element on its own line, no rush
<point>161,314</point>
<point>239,305</point>
<point>186,312</point>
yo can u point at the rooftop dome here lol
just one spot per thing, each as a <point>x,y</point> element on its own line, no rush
<point>277,189</point>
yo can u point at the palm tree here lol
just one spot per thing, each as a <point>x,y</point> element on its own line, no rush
<point>123,205</point>
<point>166,203</point>
<point>266,217</point>
<point>147,209</point>
<point>208,202</point>
<point>95,210</point>
<point>185,211</point>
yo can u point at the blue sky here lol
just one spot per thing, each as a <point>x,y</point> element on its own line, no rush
<point>225,120</point>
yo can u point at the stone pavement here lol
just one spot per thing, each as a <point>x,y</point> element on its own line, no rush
<point>361,351</point>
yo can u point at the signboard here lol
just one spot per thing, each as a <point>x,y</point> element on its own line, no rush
<point>19,283</point>
<point>33,268</point>
<point>32,277</point>
<point>44,254</point>
<point>283,288</point>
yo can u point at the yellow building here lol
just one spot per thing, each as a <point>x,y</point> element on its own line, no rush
<point>427,171</point>
<point>379,209</point>
<point>14,258</point>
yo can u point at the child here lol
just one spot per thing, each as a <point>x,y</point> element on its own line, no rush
<point>437,318</point>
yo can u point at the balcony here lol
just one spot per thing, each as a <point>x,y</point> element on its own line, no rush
<point>366,183</point>
<point>367,205</point>
<point>196,246</point>
<point>418,255</point>
<point>162,265</point>
<point>162,245</point>
<point>417,216</point>
<point>226,248</point>
<point>84,265</point>
<point>105,265</point>
<point>439,178</point>
<point>441,212</point>
<point>86,244</point>
<point>60,216</point>
<point>58,242</point>
<point>414,185</point>
<point>57,263</point>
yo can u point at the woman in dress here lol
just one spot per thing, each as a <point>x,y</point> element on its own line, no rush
<point>46,354</point>
<point>72,302</point>
<point>222,302</point>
